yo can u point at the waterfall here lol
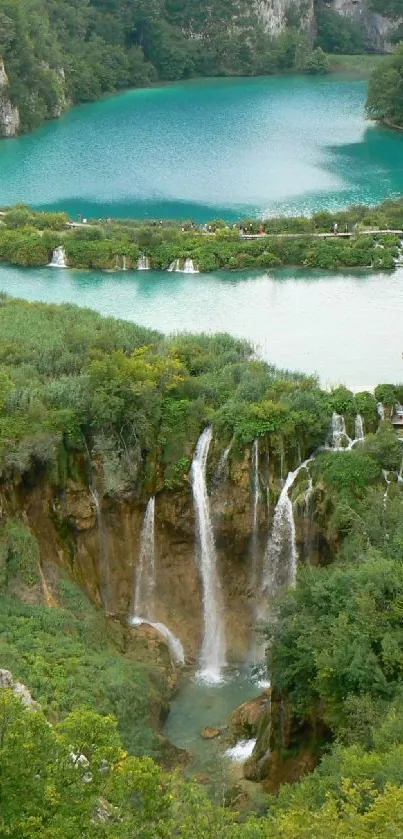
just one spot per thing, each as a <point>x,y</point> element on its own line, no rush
<point>359,430</point>
<point>124,268</point>
<point>299,455</point>
<point>381,411</point>
<point>143,263</point>
<point>282,465</point>
<point>256,497</point>
<point>145,574</point>
<point>188,266</point>
<point>241,751</point>
<point>280,562</point>
<point>103,551</point>
<point>145,586</point>
<point>174,645</point>
<point>339,433</point>
<point>222,468</point>
<point>58,258</point>
<point>212,657</point>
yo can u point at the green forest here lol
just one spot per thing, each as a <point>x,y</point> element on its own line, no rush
<point>385,94</point>
<point>62,52</point>
<point>69,381</point>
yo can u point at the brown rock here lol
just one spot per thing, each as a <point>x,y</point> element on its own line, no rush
<point>246,719</point>
<point>209,733</point>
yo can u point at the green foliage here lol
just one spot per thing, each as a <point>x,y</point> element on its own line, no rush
<point>337,34</point>
<point>385,92</point>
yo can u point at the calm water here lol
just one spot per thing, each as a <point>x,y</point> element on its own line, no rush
<point>346,327</point>
<point>209,148</point>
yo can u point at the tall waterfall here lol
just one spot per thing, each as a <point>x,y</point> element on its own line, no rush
<point>212,657</point>
<point>256,498</point>
<point>145,586</point>
<point>58,258</point>
<point>359,430</point>
<point>145,574</point>
<point>143,263</point>
<point>103,551</point>
<point>381,411</point>
<point>280,562</point>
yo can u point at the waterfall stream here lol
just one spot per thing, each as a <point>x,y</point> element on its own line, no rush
<point>359,430</point>
<point>58,258</point>
<point>212,657</point>
<point>145,574</point>
<point>280,562</point>
<point>180,266</point>
<point>256,498</point>
<point>143,263</point>
<point>145,586</point>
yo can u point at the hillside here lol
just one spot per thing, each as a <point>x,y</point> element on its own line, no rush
<point>57,53</point>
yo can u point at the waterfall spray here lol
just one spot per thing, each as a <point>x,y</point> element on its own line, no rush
<point>212,657</point>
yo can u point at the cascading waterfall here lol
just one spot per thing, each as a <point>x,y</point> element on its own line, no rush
<point>241,751</point>
<point>58,258</point>
<point>280,562</point>
<point>339,433</point>
<point>188,266</point>
<point>174,644</point>
<point>381,411</point>
<point>145,586</point>
<point>256,497</point>
<point>212,657</point>
<point>359,430</point>
<point>143,263</point>
<point>103,551</point>
<point>145,574</point>
<point>124,263</point>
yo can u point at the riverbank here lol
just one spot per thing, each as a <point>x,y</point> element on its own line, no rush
<point>360,236</point>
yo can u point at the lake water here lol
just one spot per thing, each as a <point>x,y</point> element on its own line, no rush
<point>345,326</point>
<point>202,149</point>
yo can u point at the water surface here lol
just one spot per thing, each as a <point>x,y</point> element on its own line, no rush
<point>217,147</point>
<point>345,326</point>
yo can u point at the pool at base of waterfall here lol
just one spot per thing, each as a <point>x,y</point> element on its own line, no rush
<point>198,706</point>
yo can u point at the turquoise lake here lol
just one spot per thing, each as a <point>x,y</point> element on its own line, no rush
<point>202,149</point>
<point>347,327</point>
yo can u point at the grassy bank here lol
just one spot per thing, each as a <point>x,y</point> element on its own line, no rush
<point>360,66</point>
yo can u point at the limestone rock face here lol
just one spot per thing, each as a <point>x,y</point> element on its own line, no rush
<point>376,29</point>
<point>9,114</point>
<point>246,719</point>
<point>275,13</point>
<point>7,681</point>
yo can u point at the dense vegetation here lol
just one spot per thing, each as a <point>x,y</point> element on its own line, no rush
<point>385,94</point>
<point>29,238</point>
<point>75,386</point>
<point>57,53</point>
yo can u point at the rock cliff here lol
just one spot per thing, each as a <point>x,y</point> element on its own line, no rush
<point>9,114</point>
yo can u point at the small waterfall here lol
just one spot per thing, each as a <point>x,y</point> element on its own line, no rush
<point>174,645</point>
<point>145,574</point>
<point>339,433</point>
<point>388,482</point>
<point>212,657</point>
<point>282,465</point>
<point>143,263</point>
<point>280,562</point>
<point>124,268</point>
<point>58,258</point>
<point>241,751</point>
<point>103,551</point>
<point>222,468</point>
<point>189,267</point>
<point>359,430</point>
<point>299,455</point>
<point>381,411</point>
